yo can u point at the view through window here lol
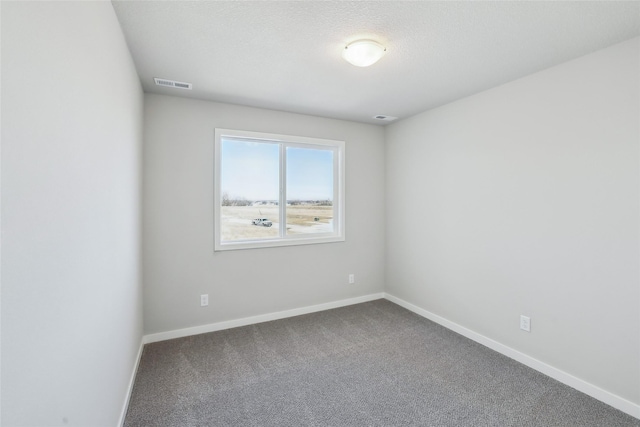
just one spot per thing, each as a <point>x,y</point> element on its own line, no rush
<point>275,190</point>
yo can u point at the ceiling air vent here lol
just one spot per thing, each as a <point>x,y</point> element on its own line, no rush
<point>172,83</point>
<point>385,118</point>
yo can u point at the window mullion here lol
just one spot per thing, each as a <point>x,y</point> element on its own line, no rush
<point>337,201</point>
<point>283,191</point>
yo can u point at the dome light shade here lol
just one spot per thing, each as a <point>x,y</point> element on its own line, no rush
<point>363,53</point>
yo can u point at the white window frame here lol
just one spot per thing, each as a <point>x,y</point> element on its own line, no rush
<point>284,141</point>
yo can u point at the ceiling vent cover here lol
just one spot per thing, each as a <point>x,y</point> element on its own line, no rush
<point>172,83</point>
<point>384,118</point>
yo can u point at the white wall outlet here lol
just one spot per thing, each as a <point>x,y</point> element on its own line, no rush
<point>525,323</point>
<point>352,279</point>
<point>204,300</point>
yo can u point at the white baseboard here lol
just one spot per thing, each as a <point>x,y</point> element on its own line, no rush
<point>555,373</point>
<point>212,327</point>
<point>123,414</point>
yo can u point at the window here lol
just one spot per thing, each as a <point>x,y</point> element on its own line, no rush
<point>277,190</point>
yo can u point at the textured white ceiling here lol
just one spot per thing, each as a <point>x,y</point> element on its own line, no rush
<point>287,55</point>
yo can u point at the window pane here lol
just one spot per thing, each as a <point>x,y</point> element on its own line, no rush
<point>309,191</point>
<point>250,176</point>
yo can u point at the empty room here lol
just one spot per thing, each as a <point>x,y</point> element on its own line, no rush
<point>319,213</point>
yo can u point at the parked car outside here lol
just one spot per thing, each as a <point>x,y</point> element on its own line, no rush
<point>262,221</point>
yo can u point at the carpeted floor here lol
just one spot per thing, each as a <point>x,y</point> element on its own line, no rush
<point>371,364</point>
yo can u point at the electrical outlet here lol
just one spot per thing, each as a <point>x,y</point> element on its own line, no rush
<point>352,279</point>
<point>525,323</point>
<point>204,300</point>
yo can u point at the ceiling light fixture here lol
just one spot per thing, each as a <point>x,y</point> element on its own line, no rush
<point>363,53</point>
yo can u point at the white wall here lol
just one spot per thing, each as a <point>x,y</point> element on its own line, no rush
<point>178,259</point>
<point>524,199</point>
<point>71,157</point>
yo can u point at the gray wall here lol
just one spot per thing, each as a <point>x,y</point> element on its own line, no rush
<point>524,199</point>
<point>179,261</point>
<point>71,157</point>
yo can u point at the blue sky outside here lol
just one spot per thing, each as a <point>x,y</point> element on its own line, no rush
<point>309,174</point>
<point>250,170</point>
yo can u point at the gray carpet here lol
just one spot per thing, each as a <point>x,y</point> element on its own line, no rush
<point>371,364</point>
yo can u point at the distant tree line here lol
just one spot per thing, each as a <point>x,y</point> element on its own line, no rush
<point>238,201</point>
<point>241,201</point>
